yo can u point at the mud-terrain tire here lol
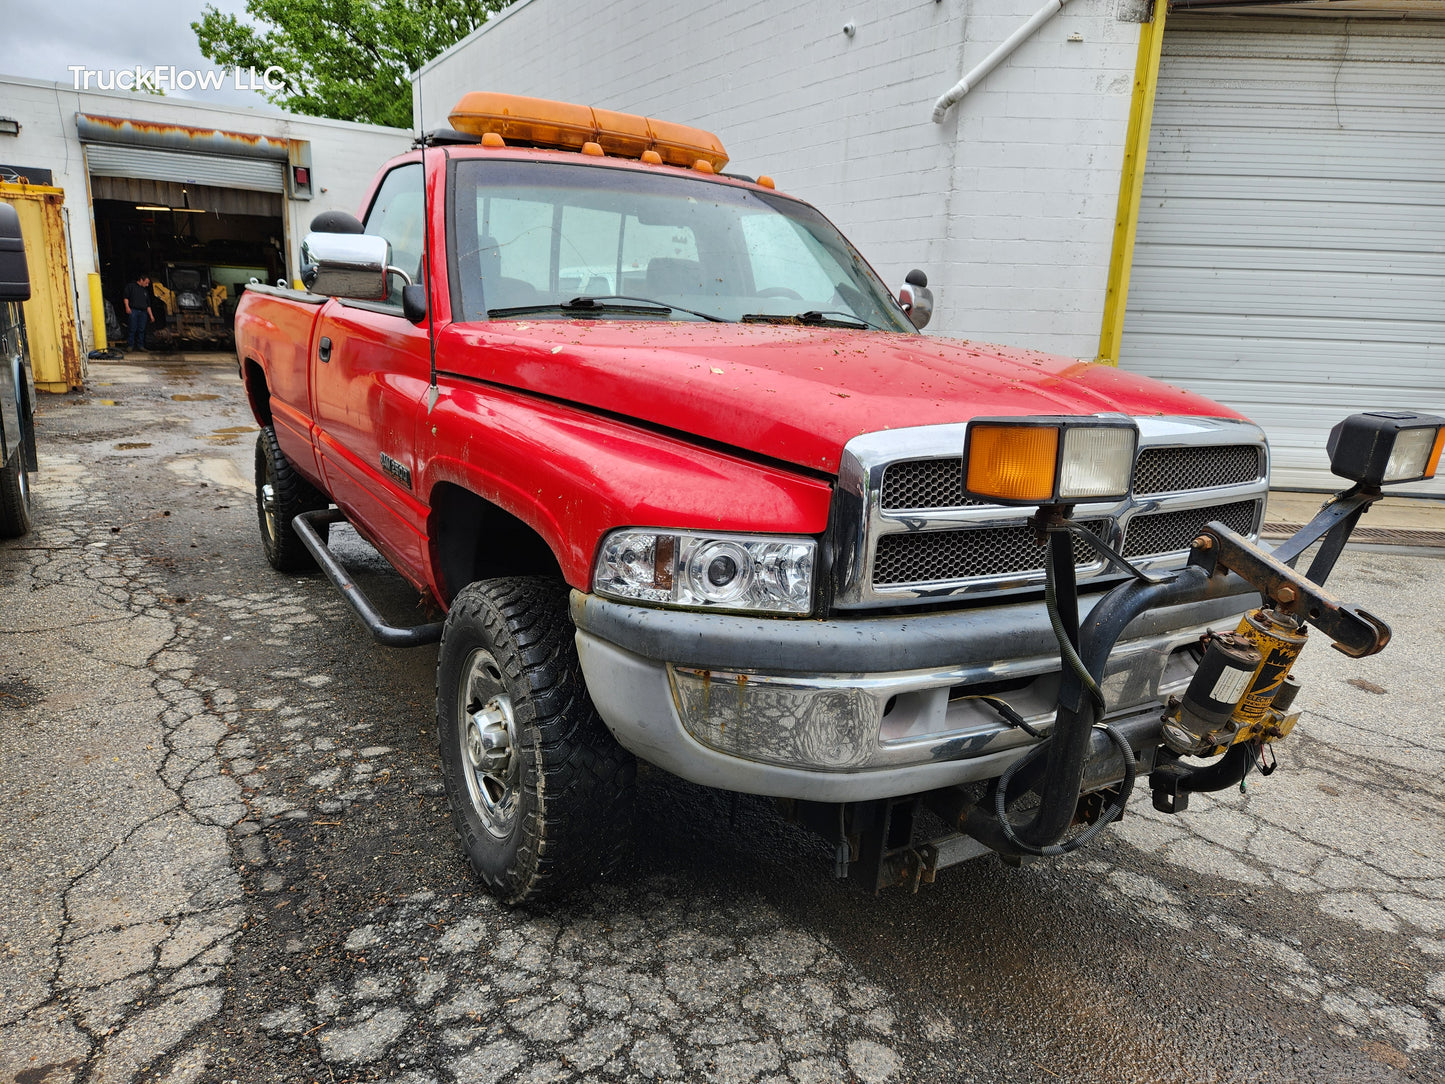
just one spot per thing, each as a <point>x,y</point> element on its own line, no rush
<point>541,793</point>
<point>15,497</point>
<point>289,495</point>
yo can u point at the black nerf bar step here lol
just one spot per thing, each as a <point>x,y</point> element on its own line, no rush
<point>389,635</point>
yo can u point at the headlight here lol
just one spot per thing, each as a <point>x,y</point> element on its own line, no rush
<point>1386,446</point>
<point>1049,460</point>
<point>763,573</point>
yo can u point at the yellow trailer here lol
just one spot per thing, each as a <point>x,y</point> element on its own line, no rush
<point>55,355</point>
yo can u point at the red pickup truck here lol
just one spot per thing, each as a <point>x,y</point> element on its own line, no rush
<point>692,488</point>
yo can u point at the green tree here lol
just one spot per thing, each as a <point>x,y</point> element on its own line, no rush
<point>347,59</point>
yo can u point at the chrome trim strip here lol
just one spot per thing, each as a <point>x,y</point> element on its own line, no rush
<point>860,519</point>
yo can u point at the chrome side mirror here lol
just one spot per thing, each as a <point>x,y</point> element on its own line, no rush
<point>352,265</point>
<point>916,298</point>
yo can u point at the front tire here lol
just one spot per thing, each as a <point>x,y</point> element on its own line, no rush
<point>541,793</point>
<point>282,495</point>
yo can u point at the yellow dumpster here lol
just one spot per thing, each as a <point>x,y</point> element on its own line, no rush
<point>50,313</point>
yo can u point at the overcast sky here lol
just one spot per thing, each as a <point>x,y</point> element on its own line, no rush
<point>43,39</point>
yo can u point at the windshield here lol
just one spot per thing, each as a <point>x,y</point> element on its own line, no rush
<point>531,237</point>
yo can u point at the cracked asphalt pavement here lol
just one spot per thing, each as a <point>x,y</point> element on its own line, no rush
<point>227,856</point>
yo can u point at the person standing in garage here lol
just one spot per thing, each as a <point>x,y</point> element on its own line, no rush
<point>138,308</point>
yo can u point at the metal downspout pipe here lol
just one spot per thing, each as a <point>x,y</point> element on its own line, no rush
<point>955,93</point>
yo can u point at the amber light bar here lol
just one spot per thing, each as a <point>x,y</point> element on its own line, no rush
<point>572,127</point>
<point>1049,460</point>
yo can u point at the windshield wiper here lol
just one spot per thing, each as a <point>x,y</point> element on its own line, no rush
<point>590,301</point>
<point>589,304</point>
<point>812,318</point>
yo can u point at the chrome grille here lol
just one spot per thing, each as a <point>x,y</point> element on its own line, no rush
<point>908,536</point>
<point>938,483</point>
<point>1175,470</point>
<point>925,483</point>
<point>938,556</point>
<point>1170,532</point>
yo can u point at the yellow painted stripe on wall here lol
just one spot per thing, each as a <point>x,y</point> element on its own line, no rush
<point>1136,149</point>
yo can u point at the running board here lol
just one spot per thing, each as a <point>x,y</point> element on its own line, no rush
<point>305,526</point>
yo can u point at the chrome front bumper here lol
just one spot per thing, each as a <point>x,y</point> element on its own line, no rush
<point>856,709</point>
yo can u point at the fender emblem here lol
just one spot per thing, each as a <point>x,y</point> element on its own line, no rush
<point>396,470</point>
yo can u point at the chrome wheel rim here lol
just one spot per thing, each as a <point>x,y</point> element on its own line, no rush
<point>487,739</point>
<point>268,509</point>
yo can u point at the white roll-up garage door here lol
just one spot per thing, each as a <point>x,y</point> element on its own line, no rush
<point>1290,259</point>
<point>218,171</point>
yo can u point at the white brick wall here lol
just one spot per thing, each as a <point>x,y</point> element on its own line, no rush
<point>1009,205</point>
<point>344,156</point>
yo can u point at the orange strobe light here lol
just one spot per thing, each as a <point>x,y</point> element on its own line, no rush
<point>566,126</point>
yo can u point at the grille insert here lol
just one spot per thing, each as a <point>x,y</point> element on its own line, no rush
<point>1170,532</point>
<point>940,556</point>
<point>938,483</point>
<point>1174,470</point>
<point>925,483</point>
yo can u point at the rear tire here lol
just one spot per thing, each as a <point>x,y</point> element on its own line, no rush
<point>541,793</point>
<point>282,495</point>
<point>15,497</point>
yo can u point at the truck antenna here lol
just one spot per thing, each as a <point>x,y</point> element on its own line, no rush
<point>431,335</point>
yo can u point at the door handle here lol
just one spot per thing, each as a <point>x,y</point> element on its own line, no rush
<point>323,348</point>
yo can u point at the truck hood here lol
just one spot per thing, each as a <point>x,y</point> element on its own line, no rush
<point>796,394</point>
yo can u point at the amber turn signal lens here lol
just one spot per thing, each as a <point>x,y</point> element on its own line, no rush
<point>1012,463</point>
<point>1435,453</point>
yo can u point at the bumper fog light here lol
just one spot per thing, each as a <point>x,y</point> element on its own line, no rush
<point>776,722</point>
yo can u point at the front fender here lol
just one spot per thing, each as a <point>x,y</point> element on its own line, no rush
<point>573,475</point>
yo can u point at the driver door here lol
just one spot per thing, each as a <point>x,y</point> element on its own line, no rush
<point>370,371</point>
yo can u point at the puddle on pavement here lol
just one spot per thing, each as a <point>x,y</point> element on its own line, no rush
<point>130,446</point>
<point>194,398</point>
<point>230,435</point>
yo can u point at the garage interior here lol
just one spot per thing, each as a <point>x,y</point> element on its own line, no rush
<point>190,240</point>
<point>202,212</point>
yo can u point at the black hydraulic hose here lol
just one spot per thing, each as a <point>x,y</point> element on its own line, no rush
<point>1107,621</point>
<point>1068,745</point>
<point>1074,720</point>
<point>1060,545</point>
<point>1107,816</point>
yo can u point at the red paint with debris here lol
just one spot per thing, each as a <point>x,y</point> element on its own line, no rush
<point>579,427</point>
